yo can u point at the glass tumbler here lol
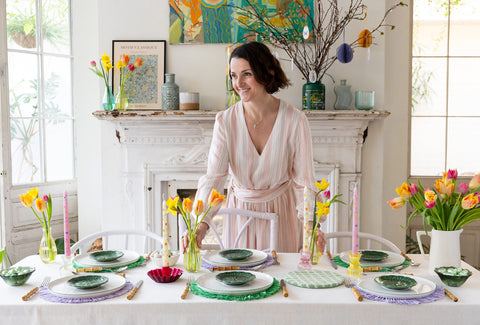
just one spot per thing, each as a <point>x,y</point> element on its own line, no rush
<point>364,100</point>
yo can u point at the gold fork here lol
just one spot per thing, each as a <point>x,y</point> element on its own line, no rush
<point>190,279</point>
<point>348,284</point>
<point>44,283</point>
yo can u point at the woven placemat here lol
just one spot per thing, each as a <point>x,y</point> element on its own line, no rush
<point>314,279</point>
<point>341,263</point>
<point>113,269</point>
<point>436,295</point>
<point>259,295</point>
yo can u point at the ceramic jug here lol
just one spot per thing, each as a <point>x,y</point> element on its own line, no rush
<point>444,248</point>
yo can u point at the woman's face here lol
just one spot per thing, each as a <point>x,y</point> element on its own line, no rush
<point>244,82</point>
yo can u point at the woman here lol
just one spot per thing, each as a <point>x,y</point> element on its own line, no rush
<point>265,145</point>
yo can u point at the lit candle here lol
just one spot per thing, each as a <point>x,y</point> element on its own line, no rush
<point>165,259</point>
<point>306,229</point>
<point>355,222</point>
<point>66,226</point>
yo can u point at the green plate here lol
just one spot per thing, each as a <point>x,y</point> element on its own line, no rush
<point>373,256</point>
<point>87,281</point>
<point>235,278</point>
<point>106,256</point>
<point>235,254</point>
<point>395,282</point>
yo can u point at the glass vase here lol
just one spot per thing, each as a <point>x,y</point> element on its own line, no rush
<point>48,249</point>
<point>108,101</point>
<point>317,253</point>
<point>313,96</point>
<point>192,260</point>
<point>121,99</point>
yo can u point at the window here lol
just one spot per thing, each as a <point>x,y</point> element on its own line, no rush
<point>40,92</point>
<point>445,67</point>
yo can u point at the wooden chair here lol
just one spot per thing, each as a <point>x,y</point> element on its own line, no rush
<point>362,235</point>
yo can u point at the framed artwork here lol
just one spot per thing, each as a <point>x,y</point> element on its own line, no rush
<point>143,87</point>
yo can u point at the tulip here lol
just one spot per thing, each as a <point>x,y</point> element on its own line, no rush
<point>199,208</point>
<point>474,182</point>
<point>326,194</point>
<point>404,191</point>
<point>27,199</point>
<point>216,199</point>
<point>429,204</point>
<point>125,58</point>
<point>130,67</point>
<point>469,201</point>
<point>46,198</point>
<point>172,205</point>
<point>40,204</point>
<point>397,202</point>
<point>187,205</point>
<point>93,63</point>
<point>452,174</point>
<point>323,185</point>
<point>430,195</point>
<point>138,62</point>
<point>413,189</point>
<point>463,188</point>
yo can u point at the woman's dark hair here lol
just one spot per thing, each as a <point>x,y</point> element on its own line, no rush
<point>266,68</point>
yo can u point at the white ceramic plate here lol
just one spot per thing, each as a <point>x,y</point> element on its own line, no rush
<point>215,259</point>
<point>61,288</point>
<point>208,283</point>
<point>423,288</point>
<point>393,259</point>
<point>128,257</point>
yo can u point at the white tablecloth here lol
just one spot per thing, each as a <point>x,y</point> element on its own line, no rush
<point>157,303</point>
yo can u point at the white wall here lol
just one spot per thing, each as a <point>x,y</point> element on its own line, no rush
<point>202,68</point>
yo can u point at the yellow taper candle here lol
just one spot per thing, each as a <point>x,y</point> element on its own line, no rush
<point>306,230</point>
<point>165,254</point>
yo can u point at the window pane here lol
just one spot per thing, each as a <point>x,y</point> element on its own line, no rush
<point>59,149</point>
<point>23,84</point>
<point>26,165</point>
<point>428,145</point>
<point>429,29</point>
<point>58,98</point>
<point>21,29</point>
<point>465,27</point>
<point>429,86</point>
<point>464,87</point>
<point>462,149</point>
<point>56,33</point>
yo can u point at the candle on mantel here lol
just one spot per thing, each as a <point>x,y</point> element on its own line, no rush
<point>165,254</point>
<point>355,222</point>
<point>305,219</point>
<point>66,226</point>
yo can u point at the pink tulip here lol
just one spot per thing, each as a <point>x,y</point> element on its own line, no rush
<point>474,182</point>
<point>131,67</point>
<point>452,174</point>
<point>93,63</point>
<point>326,194</point>
<point>45,198</point>
<point>413,189</point>
<point>429,204</point>
<point>463,188</point>
<point>397,203</point>
<point>469,201</point>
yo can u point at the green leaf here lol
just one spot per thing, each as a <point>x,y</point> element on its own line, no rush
<point>60,243</point>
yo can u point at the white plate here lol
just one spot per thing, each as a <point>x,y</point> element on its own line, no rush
<point>423,288</point>
<point>393,259</point>
<point>128,257</point>
<point>61,288</point>
<point>215,259</point>
<point>208,283</point>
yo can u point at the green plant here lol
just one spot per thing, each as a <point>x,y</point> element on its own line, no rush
<point>412,246</point>
<point>3,253</point>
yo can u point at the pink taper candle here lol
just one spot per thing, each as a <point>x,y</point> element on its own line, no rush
<point>306,232</point>
<point>355,222</point>
<point>66,226</point>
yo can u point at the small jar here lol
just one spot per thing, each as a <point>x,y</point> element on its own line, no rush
<point>170,93</point>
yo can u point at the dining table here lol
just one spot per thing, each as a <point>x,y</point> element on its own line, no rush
<point>161,303</point>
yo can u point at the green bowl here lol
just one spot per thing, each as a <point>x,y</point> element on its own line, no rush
<point>235,278</point>
<point>373,256</point>
<point>396,282</point>
<point>235,254</point>
<point>453,276</point>
<point>106,256</point>
<point>17,275</point>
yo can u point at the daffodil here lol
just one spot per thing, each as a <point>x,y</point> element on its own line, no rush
<point>105,67</point>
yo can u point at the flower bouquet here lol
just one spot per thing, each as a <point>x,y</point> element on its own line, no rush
<point>126,70</point>
<point>104,73</point>
<point>191,258</point>
<point>446,206</point>
<point>48,249</point>
<point>321,209</point>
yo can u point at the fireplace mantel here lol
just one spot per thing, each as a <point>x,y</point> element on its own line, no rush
<point>161,147</point>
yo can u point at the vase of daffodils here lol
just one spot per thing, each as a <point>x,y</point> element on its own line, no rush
<point>108,101</point>
<point>192,259</point>
<point>321,210</point>
<point>126,70</point>
<point>48,249</point>
<point>447,208</point>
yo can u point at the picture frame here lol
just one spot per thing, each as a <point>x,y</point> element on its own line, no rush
<point>143,87</point>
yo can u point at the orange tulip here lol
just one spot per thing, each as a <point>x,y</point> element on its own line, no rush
<point>199,208</point>
<point>216,199</point>
<point>40,204</point>
<point>397,202</point>
<point>138,62</point>
<point>187,205</point>
<point>469,201</point>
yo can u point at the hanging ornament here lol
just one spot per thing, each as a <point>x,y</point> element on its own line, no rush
<point>291,64</point>
<point>365,38</point>
<point>312,76</point>
<point>344,51</point>
<point>306,32</point>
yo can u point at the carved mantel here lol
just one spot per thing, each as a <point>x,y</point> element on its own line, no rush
<point>164,146</point>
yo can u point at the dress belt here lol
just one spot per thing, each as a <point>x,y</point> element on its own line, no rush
<point>258,196</point>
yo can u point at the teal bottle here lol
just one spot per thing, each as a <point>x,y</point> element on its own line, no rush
<point>313,96</point>
<point>344,95</point>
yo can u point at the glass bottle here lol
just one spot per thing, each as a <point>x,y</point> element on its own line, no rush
<point>48,249</point>
<point>344,95</point>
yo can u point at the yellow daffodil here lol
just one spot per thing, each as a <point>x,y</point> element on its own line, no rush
<point>172,205</point>
<point>323,185</point>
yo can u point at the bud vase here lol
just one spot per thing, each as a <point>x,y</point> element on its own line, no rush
<point>192,260</point>
<point>121,99</point>
<point>170,93</point>
<point>316,254</point>
<point>48,249</point>
<point>108,101</point>
<point>344,95</point>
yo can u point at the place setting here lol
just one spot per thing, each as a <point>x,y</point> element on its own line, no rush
<point>237,258</point>
<point>108,261</point>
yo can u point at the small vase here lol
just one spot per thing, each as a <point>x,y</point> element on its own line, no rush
<point>344,95</point>
<point>170,93</point>
<point>313,96</point>
<point>48,249</point>
<point>316,254</point>
<point>108,101</point>
<point>121,99</point>
<point>192,260</point>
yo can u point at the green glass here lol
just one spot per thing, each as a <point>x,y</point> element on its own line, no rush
<point>313,96</point>
<point>192,260</point>
<point>48,249</point>
<point>121,99</point>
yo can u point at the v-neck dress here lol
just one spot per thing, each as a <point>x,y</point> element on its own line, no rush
<point>272,181</point>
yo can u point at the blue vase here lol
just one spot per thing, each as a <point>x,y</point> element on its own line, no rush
<point>313,96</point>
<point>108,101</point>
<point>170,93</point>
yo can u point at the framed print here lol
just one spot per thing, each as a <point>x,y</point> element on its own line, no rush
<point>143,87</point>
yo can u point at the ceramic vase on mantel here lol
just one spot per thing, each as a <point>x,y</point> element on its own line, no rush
<point>313,96</point>
<point>170,93</point>
<point>444,248</point>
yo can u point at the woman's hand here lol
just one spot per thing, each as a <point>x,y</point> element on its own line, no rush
<point>201,232</point>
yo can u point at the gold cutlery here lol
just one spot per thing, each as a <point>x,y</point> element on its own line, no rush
<point>134,290</point>
<point>348,284</point>
<point>371,269</point>
<point>44,283</point>
<point>450,295</point>
<point>330,259</point>
<point>225,268</point>
<point>275,258</point>
<point>412,262</point>
<point>190,279</point>
<point>284,288</point>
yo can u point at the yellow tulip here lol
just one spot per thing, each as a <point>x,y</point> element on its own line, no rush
<point>199,208</point>
<point>27,199</point>
<point>187,205</point>
<point>397,203</point>
<point>474,182</point>
<point>404,191</point>
<point>430,195</point>
<point>469,201</point>
<point>216,199</point>
<point>40,204</point>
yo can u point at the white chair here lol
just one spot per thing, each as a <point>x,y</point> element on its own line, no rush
<point>362,235</point>
<point>229,212</point>
<point>121,240</point>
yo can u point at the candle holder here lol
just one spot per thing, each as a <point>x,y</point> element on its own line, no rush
<point>354,269</point>
<point>305,263</point>
<point>67,265</point>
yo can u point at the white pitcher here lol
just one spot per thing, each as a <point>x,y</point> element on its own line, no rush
<point>444,248</point>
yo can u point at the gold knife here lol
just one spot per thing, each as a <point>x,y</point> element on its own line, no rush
<point>332,262</point>
<point>275,258</point>
<point>134,290</point>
